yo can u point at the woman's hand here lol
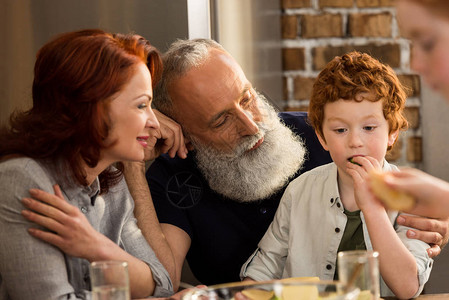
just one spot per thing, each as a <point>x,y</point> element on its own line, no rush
<point>69,229</point>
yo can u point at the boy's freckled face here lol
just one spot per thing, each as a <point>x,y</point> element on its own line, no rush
<point>354,128</point>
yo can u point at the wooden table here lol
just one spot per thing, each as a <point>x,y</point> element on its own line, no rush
<point>434,296</point>
<point>427,297</point>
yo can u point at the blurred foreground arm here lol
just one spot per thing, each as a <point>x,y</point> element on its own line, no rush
<point>432,200</point>
<point>430,193</point>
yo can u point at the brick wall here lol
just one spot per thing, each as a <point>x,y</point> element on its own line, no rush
<point>315,31</point>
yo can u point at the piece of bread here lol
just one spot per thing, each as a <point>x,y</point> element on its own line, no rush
<point>392,199</point>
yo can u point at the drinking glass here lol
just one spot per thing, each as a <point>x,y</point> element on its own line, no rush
<point>109,280</point>
<point>360,269</point>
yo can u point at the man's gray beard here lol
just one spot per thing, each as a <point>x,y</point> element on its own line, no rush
<point>247,176</point>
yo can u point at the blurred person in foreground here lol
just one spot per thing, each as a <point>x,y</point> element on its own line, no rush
<point>426,24</point>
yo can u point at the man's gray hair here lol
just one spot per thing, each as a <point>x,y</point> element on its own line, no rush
<point>178,60</point>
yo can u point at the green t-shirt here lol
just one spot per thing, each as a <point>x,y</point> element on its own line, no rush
<point>352,236</point>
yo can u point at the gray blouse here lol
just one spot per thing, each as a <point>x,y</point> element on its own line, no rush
<point>33,269</point>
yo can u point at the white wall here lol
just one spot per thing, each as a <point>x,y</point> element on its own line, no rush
<point>435,127</point>
<point>25,25</point>
<point>250,31</point>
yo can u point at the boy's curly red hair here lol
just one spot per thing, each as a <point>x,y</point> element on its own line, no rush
<point>347,76</point>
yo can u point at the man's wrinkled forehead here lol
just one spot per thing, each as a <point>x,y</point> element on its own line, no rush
<point>218,75</point>
<point>211,87</point>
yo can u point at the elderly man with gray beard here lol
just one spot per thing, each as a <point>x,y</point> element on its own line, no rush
<point>215,203</point>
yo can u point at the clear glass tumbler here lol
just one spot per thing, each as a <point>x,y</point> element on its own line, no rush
<point>109,280</point>
<point>360,269</point>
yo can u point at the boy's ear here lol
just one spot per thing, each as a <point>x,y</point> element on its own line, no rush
<point>322,141</point>
<point>392,137</point>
